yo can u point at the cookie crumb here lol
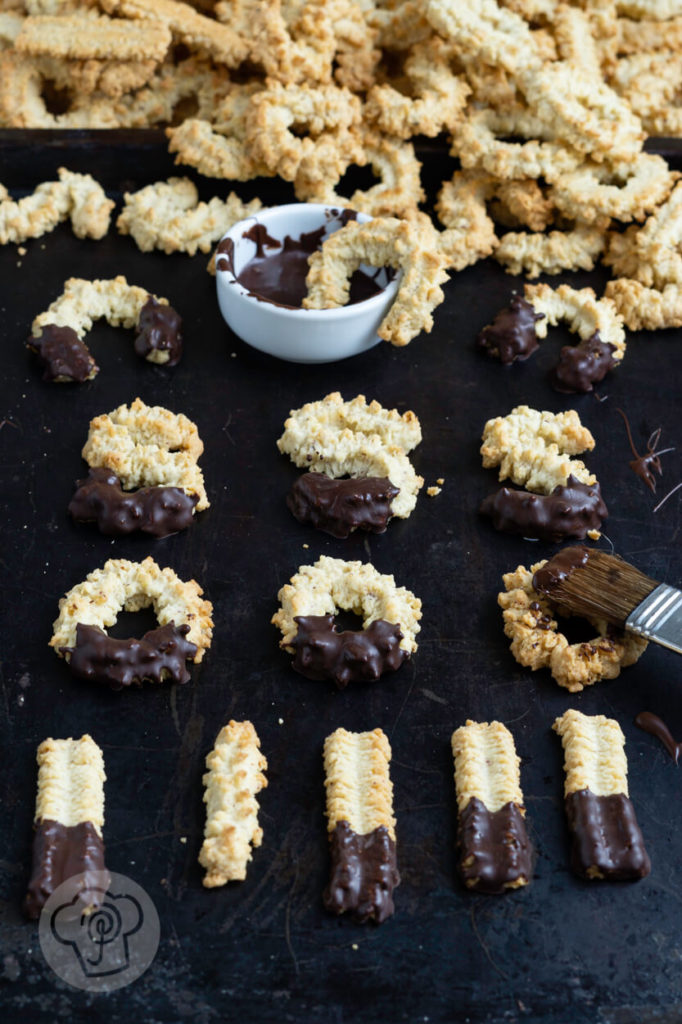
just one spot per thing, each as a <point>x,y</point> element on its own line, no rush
<point>433,491</point>
<point>21,250</point>
<point>183,840</point>
<point>280,721</point>
<point>355,946</point>
<point>440,481</point>
<point>306,545</point>
<point>593,534</point>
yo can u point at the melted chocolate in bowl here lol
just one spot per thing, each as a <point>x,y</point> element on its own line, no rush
<point>278,271</point>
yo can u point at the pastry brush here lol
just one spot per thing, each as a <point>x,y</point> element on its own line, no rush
<point>593,584</point>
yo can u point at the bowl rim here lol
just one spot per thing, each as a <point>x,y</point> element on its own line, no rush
<point>226,278</point>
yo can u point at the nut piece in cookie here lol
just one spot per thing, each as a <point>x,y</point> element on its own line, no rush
<point>530,621</point>
<point>306,619</point>
<point>495,851</point>
<point>234,777</point>
<point>184,633</point>
<point>606,841</point>
<point>82,302</point>
<point>369,444</point>
<point>68,823</point>
<point>361,825</point>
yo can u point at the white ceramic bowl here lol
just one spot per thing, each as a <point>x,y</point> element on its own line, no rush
<point>298,335</point>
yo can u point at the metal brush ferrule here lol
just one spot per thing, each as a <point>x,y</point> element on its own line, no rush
<point>659,617</point>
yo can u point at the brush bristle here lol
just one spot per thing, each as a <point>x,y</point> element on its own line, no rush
<point>599,586</point>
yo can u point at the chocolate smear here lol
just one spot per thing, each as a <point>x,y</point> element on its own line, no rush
<point>159,511</point>
<point>511,335</point>
<point>644,466</point>
<point>159,330</point>
<point>606,839</point>
<point>158,656</point>
<point>224,255</point>
<point>655,726</point>
<point>320,652</point>
<point>60,852</point>
<point>559,567</point>
<point>340,506</point>
<point>571,510</point>
<point>364,873</point>
<point>583,365</point>
<point>62,355</point>
<point>495,851</point>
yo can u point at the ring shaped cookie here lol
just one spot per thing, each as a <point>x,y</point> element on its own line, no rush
<point>316,593</point>
<point>627,190</point>
<point>148,446</point>
<point>536,642</point>
<point>122,305</point>
<point>91,606</point>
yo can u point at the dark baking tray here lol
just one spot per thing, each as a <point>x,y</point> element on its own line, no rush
<point>264,950</point>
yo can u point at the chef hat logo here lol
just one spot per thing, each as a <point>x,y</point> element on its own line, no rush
<point>100,939</point>
<point>99,932</point>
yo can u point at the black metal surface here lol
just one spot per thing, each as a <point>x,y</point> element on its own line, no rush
<point>264,949</point>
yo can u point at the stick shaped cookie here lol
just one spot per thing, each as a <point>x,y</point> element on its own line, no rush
<point>495,851</point>
<point>234,776</point>
<point>606,839</point>
<point>68,821</point>
<point>361,825</point>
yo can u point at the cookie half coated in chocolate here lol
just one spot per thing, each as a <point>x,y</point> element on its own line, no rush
<point>159,511</point>
<point>339,506</point>
<point>351,656</point>
<point>159,656</point>
<point>511,335</point>
<point>60,852</point>
<point>569,511</point>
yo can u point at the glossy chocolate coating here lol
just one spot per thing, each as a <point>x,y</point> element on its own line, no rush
<point>583,365</point>
<point>340,506</point>
<point>605,837</point>
<point>559,568</point>
<point>60,852</point>
<point>511,335</point>
<point>158,656</point>
<point>351,656</point>
<point>159,511</point>
<point>63,355</point>
<point>494,849</point>
<point>363,875</point>
<point>159,330</point>
<point>569,511</point>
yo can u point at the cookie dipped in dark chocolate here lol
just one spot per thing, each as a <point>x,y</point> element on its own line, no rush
<point>583,365</point>
<point>60,852</point>
<point>363,875</point>
<point>340,506</point>
<point>511,335</point>
<point>159,511</point>
<point>606,841</point>
<point>495,852</point>
<point>320,652</point>
<point>63,355</point>
<point>280,277</point>
<point>159,656</point>
<point>571,510</point>
<point>159,330</point>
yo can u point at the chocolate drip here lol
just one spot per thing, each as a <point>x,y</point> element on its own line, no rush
<point>364,873</point>
<point>352,656</point>
<point>495,851</point>
<point>159,330</point>
<point>569,511</point>
<point>655,726</point>
<point>159,655</point>
<point>511,335</point>
<point>60,852</point>
<point>63,355</point>
<point>258,233</point>
<point>224,255</point>
<point>559,568</point>
<point>606,839</point>
<point>159,511</point>
<point>340,506</point>
<point>580,366</point>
